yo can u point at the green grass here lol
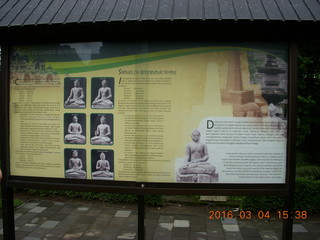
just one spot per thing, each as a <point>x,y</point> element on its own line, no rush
<point>16,203</point>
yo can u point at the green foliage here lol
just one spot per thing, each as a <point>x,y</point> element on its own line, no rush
<point>153,200</point>
<point>309,171</point>
<point>307,198</point>
<point>309,99</point>
<point>307,166</point>
<point>262,203</point>
<point>16,203</point>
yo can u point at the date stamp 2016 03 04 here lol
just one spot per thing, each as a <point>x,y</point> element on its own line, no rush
<point>258,215</point>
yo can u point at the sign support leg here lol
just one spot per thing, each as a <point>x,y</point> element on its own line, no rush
<point>287,226</point>
<point>7,191</point>
<point>8,214</point>
<point>141,214</point>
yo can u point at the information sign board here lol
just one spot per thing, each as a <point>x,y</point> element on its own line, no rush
<point>150,112</point>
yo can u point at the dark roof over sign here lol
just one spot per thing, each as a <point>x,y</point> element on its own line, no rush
<point>30,21</point>
<point>44,12</point>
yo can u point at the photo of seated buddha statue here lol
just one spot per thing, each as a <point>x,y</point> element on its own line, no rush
<point>75,133</point>
<point>104,96</point>
<point>196,167</point>
<point>102,168</point>
<point>102,133</point>
<point>75,166</point>
<point>76,98</point>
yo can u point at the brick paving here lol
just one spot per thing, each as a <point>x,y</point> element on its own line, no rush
<point>45,219</point>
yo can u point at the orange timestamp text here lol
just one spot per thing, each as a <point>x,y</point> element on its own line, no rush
<point>258,215</point>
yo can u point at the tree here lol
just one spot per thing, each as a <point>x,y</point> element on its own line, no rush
<point>308,109</point>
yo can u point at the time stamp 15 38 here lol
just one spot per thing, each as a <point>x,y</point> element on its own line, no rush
<point>258,215</point>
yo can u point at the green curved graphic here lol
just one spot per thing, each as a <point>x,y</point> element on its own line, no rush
<point>106,63</point>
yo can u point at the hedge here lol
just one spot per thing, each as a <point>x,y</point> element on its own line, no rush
<point>153,200</point>
<point>307,198</point>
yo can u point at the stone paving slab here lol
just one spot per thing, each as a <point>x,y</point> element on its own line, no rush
<point>181,223</point>
<point>37,209</point>
<point>166,219</point>
<point>123,214</point>
<point>43,219</point>
<point>268,235</point>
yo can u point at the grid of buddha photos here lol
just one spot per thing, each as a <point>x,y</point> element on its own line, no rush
<point>101,128</point>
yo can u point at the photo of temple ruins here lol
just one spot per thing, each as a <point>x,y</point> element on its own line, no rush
<point>268,98</point>
<point>24,70</point>
<point>253,84</point>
